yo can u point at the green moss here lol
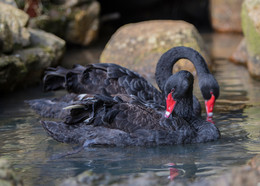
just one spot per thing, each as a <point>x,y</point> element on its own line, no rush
<point>251,34</point>
<point>52,25</point>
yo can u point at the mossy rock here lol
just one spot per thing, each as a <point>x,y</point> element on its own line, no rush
<point>250,24</point>
<point>77,24</point>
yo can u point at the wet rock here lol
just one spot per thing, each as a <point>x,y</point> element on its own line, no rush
<point>12,24</point>
<point>250,23</point>
<point>240,55</point>
<point>225,15</point>
<point>139,46</point>
<point>8,176</point>
<point>75,24</point>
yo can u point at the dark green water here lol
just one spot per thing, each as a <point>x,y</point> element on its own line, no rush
<point>25,144</point>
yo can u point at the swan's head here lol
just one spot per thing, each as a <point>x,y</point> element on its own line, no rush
<point>177,87</point>
<point>210,91</point>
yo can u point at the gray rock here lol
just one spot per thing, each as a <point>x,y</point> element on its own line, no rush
<point>12,21</point>
<point>25,66</point>
<point>26,52</point>
<point>51,43</point>
<point>6,38</point>
<point>76,24</point>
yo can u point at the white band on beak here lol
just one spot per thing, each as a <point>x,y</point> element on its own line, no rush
<point>167,114</point>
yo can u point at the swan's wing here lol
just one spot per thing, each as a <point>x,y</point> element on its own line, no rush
<point>95,78</point>
<point>119,80</point>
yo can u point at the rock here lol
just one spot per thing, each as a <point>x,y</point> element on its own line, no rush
<point>51,44</point>
<point>25,52</point>
<point>225,15</point>
<point>25,66</point>
<point>222,45</point>
<point>6,38</point>
<point>12,71</point>
<point>77,24</point>
<point>12,22</point>
<point>139,46</point>
<point>240,55</point>
<point>7,175</point>
<point>250,24</point>
<point>46,50</point>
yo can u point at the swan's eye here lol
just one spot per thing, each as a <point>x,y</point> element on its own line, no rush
<point>173,89</point>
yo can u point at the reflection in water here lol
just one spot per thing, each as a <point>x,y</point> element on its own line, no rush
<point>25,144</point>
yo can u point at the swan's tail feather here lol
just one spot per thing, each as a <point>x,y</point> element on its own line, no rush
<point>62,78</point>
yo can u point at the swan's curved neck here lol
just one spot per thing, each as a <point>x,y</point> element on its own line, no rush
<point>168,59</point>
<point>184,109</point>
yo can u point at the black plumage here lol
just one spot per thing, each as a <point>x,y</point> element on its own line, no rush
<point>110,120</point>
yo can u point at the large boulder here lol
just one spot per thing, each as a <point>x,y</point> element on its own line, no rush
<point>13,33</point>
<point>225,15</point>
<point>75,24</point>
<point>139,46</point>
<point>250,24</point>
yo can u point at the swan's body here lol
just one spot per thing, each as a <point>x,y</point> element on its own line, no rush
<point>108,120</point>
<point>135,117</point>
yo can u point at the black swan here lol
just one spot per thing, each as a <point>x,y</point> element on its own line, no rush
<point>110,120</point>
<point>116,79</point>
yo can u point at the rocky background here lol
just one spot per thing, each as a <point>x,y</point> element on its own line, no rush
<point>34,34</point>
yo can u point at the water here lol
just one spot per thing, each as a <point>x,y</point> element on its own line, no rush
<point>237,114</point>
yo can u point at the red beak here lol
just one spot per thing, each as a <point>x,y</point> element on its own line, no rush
<point>170,103</point>
<point>209,107</point>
